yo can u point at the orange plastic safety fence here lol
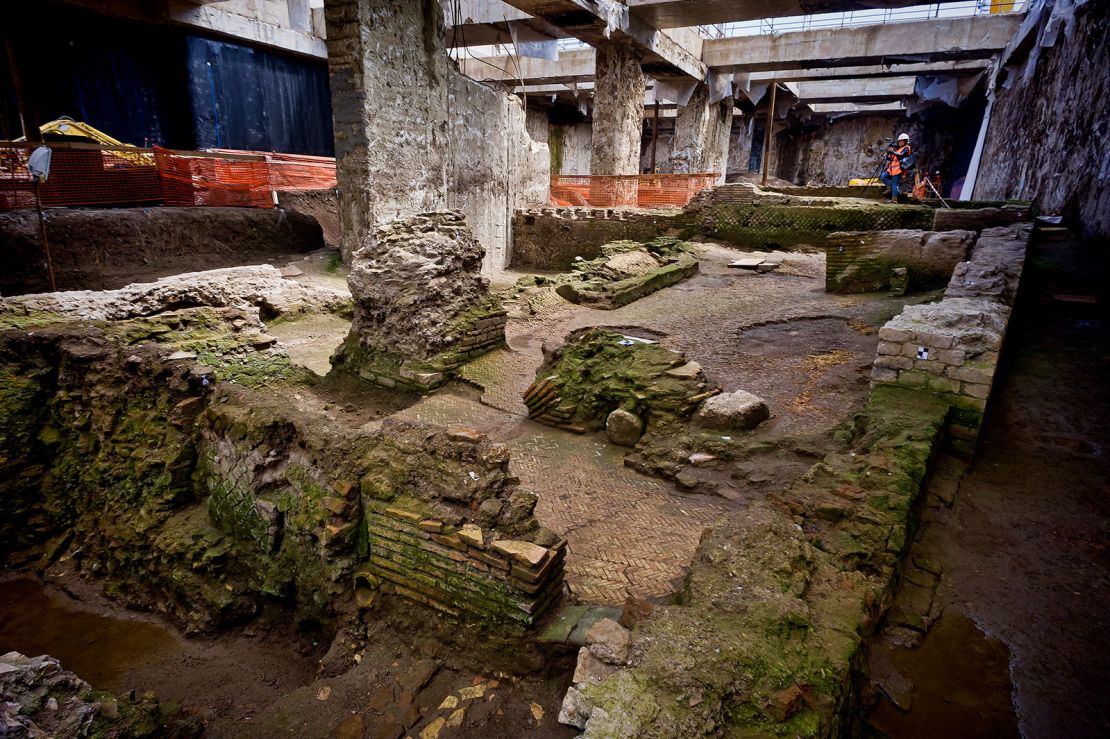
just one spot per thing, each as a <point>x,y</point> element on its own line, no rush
<point>631,191</point>
<point>79,175</point>
<point>193,178</point>
<point>295,171</point>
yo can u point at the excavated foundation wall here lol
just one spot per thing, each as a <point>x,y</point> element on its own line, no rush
<point>494,167</point>
<point>105,249</point>
<point>870,261</point>
<point>413,134</point>
<point>550,238</point>
<point>951,348</point>
<point>207,501</point>
<point>1044,142</point>
<point>741,215</point>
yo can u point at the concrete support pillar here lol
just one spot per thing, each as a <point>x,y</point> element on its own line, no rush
<point>701,134</point>
<point>618,121</point>
<point>389,81</point>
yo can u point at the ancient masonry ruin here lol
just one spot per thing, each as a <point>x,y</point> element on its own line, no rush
<point>478,368</point>
<point>422,307</point>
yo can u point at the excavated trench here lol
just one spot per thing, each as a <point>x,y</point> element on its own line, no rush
<point>284,644</point>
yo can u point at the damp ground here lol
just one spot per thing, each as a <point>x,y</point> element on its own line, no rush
<point>779,335</point>
<point>1023,546</point>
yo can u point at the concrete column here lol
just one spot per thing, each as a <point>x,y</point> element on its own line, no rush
<point>618,119</point>
<point>701,134</point>
<point>388,75</point>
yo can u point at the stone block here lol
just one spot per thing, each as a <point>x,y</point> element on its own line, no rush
<point>943,385</point>
<point>736,411</point>
<point>338,506</point>
<point>890,347</point>
<point>609,641</point>
<point>471,535</point>
<point>975,390</point>
<point>522,551</point>
<point>930,366</point>
<point>895,362</point>
<point>882,374</point>
<point>590,669</point>
<point>624,428</point>
<point>981,375</point>
<point>895,335</point>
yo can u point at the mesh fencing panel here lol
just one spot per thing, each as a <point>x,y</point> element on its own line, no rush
<point>631,191</point>
<point>294,171</point>
<point>192,178</point>
<point>79,175</point>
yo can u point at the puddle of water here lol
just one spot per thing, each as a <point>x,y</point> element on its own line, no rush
<point>961,686</point>
<point>100,649</point>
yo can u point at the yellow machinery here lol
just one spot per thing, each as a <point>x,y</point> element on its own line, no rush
<point>66,126</point>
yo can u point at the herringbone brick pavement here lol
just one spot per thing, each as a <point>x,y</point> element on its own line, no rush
<point>627,534</point>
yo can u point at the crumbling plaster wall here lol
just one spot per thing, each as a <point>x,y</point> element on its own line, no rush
<point>853,146</point>
<point>618,111</point>
<point>1046,138</point>
<point>739,147</point>
<point>494,164</point>
<point>389,116</point>
<point>701,134</point>
<point>412,134</point>
<point>844,148</point>
<point>575,141</point>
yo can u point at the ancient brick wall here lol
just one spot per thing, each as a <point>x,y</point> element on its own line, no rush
<point>458,570</point>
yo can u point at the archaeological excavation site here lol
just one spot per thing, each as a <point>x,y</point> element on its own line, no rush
<point>605,369</point>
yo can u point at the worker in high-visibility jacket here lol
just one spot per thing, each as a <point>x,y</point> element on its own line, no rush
<point>896,154</point>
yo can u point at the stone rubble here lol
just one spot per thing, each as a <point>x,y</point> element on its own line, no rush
<point>261,286</point>
<point>421,305</point>
<point>737,411</point>
<point>40,699</point>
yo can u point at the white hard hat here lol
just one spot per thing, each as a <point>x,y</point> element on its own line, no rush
<point>905,136</point>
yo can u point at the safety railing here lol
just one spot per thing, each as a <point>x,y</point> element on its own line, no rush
<point>80,174</point>
<point>629,191</point>
<point>94,175</point>
<point>857,18</point>
<point>294,171</point>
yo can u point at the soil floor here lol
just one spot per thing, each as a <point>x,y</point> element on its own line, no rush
<point>1021,647</point>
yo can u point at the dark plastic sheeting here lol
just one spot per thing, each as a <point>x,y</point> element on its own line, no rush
<point>247,98</point>
<point>147,83</point>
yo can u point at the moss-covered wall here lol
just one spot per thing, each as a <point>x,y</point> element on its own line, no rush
<point>207,500</point>
<point>780,595</point>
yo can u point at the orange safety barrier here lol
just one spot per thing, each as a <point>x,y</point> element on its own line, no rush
<point>80,174</point>
<point>631,191</point>
<point>195,178</point>
<point>294,171</point>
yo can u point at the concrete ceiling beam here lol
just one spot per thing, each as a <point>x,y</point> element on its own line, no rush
<point>681,13</point>
<point>596,22</point>
<point>933,40</point>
